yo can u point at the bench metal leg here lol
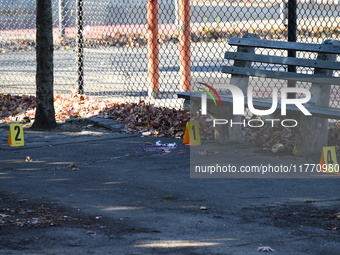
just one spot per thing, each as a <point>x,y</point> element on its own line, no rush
<point>311,134</point>
<point>223,134</point>
<point>235,132</point>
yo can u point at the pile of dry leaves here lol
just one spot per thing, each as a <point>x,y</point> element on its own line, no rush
<point>137,117</point>
<point>141,117</point>
<point>13,107</point>
<point>267,136</point>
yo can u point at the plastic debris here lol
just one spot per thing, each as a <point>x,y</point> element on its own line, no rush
<point>265,249</point>
<point>171,145</point>
<point>160,144</point>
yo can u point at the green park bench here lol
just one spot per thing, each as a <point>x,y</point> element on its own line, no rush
<point>311,132</point>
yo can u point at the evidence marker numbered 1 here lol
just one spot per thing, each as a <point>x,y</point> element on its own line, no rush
<point>16,135</point>
<point>192,134</point>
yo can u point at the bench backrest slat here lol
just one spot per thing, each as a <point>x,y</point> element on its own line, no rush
<point>312,63</point>
<point>319,48</point>
<point>281,75</point>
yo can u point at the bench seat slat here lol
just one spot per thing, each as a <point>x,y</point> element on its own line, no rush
<point>261,103</point>
<point>313,63</point>
<point>281,75</point>
<point>320,48</point>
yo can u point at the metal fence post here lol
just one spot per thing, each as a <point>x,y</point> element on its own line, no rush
<point>176,14</point>
<point>61,12</point>
<point>284,12</point>
<point>80,46</point>
<point>153,50</point>
<point>184,44</point>
<point>292,27</point>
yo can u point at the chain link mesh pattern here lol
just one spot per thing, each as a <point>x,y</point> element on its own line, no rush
<point>112,36</point>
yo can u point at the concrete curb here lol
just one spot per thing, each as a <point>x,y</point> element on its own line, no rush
<point>111,129</point>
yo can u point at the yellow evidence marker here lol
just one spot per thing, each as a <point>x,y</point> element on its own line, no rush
<point>328,160</point>
<point>192,133</point>
<point>294,150</point>
<point>16,135</point>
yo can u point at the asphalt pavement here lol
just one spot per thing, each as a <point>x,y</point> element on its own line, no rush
<point>138,197</point>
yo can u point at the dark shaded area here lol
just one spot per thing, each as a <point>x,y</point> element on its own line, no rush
<point>18,216</point>
<point>299,216</point>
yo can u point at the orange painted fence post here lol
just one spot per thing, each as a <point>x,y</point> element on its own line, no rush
<point>153,51</point>
<point>184,43</point>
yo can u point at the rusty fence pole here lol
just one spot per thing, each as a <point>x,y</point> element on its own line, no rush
<point>153,50</point>
<point>184,43</point>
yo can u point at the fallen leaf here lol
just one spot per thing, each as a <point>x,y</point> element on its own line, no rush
<point>3,216</point>
<point>169,196</point>
<point>74,164</point>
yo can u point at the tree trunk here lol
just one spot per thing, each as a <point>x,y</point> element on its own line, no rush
<point>45,114</point>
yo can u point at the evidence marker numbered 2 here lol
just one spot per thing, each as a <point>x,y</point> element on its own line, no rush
<point>16,135</point>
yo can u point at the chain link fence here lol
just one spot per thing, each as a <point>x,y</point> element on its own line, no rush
<point>113,49</point>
